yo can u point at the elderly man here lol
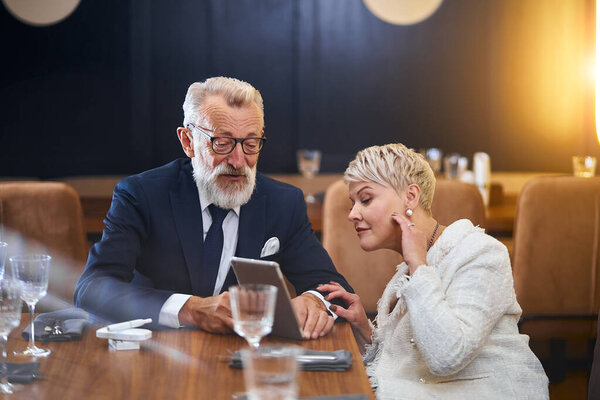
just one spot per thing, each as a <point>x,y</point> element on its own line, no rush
<point>171,231</point>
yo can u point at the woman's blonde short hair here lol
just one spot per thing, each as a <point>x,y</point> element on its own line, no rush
<point>393,165</point>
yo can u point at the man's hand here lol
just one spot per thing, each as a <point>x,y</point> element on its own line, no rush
<point>312,316</point>
<point>212,314</point>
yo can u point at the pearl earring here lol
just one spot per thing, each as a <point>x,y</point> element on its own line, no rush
<point>409,212</point>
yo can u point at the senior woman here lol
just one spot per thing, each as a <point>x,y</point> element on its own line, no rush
<point>446,326</point>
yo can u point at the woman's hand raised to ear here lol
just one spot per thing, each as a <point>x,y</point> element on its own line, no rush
<point>414,243</point>
<point>354,313</point>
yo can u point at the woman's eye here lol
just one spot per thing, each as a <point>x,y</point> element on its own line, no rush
<point>366,201</point>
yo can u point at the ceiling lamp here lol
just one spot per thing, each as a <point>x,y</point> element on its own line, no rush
<point>40,12</point>
<point>402,12</point>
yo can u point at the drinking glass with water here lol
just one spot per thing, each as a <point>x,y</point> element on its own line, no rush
<point>10,317</point>
<point>270,373</point>
<point>253,309</point>
<point>32,272</point>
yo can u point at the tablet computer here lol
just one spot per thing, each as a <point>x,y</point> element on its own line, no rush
<point>249,270</point>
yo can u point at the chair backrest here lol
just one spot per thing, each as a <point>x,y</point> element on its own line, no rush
<point>369,272</point>
<point>556,254</point>
<point>46,216</point>
<point>594,378</point>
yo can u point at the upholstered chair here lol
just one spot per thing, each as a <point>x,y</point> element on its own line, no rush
<point>46,217</point>
<point>369,272</point>
<point>556,262</point>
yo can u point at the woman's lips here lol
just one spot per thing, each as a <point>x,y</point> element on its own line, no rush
<point>360,231</point>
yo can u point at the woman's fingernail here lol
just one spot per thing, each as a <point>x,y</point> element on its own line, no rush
<point>333,307</point>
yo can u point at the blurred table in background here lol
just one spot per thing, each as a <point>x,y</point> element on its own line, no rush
<point>315,186</point>
<point>174,364</point>
<point>96,194</point>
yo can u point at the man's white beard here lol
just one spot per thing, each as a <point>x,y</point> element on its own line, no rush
<point>224,194</point>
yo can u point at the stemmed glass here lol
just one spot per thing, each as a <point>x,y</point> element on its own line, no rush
<point>309,163</point>
<point>10,316</point>
<point>32,272</point>
<point>253,308</point>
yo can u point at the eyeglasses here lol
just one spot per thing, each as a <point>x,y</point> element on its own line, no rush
<point>225,145</point>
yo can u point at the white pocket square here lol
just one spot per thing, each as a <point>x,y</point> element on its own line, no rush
<point>271,247</point>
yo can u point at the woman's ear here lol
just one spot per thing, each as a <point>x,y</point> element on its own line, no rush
<point>413,195</point>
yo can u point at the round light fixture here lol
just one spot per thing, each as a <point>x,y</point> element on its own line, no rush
<point>402,12</point>
<point>40,12</point>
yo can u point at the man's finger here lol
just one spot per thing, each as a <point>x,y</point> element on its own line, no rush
<point>328,326</point>
<point>320,325</point>
<point>300,310</point>
<point>311,321</point>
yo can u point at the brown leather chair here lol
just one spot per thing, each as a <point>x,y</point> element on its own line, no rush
<point>594,378</point>
<point>556,262</point>
<point>369,272</point>
<point>46,217</point>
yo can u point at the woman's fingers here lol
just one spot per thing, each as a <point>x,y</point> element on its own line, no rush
<point>341,312</point>
<point>328,287</point>
<point>339,294</point>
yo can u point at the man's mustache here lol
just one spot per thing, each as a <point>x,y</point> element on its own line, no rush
<point>229,170</point>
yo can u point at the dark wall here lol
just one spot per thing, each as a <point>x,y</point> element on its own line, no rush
<point>101,92</point>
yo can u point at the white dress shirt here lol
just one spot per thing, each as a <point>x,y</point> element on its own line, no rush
<point>169,313</point>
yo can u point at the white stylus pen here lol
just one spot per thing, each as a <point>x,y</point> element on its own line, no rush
<point>128,324</point>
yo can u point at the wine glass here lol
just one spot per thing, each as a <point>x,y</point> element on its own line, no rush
<point>32,272</point>
<point>253,309</point>
<point>10,316</point>
<point>309,163</point>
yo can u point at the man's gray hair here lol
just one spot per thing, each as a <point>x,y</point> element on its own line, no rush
<point>237,93</point>
<point>396,166</point>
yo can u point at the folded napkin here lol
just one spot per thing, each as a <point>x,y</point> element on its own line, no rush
<point>22,372</point>
<point>59,326</point>
<point>309,360</point>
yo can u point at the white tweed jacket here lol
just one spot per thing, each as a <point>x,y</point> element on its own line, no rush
<point>452,334</point>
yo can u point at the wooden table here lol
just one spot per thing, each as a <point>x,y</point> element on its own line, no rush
<point>174,364</point>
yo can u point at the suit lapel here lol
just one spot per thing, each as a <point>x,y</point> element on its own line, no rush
<point>251,232</point>
<point>185,205</point>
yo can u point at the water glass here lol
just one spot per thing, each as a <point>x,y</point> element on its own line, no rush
<point>434,158</point>
<point>270,373</point>
<point>253,309</point>
<point>584,166</point>
<point>32,272</point>
<point>455,166</point>
<point>3,248</point>
<point>10,316</point>
<point>309,162</point>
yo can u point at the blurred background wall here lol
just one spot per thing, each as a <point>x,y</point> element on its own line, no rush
<point>101,92</point>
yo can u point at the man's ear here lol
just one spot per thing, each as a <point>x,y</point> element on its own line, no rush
<point>413,195</point>
<point>186,140</point>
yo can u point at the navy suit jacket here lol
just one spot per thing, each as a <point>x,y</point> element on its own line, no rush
<point>153,242</point>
